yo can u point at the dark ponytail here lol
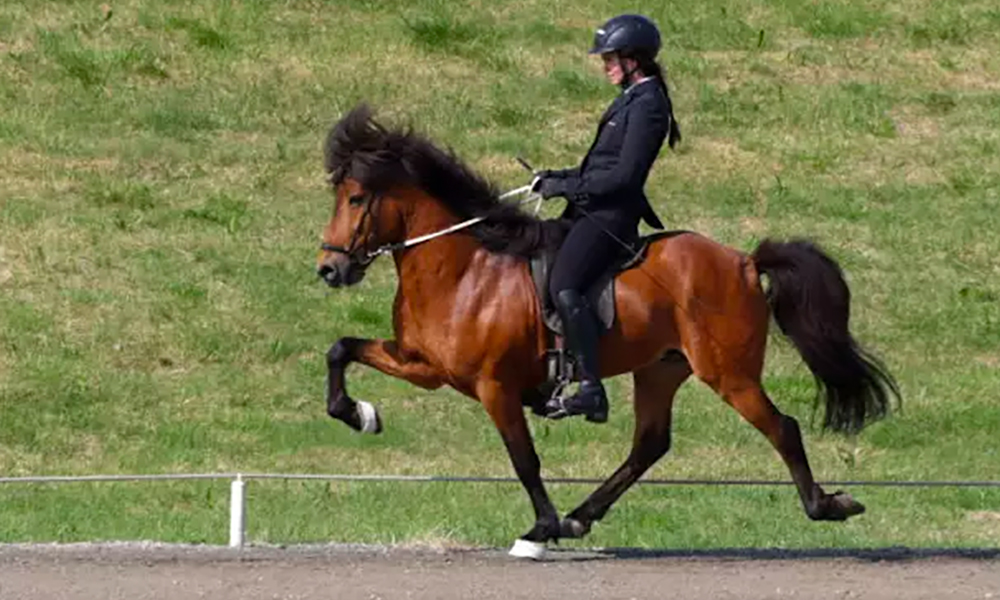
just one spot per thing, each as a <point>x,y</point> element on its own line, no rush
<point>651,68</point>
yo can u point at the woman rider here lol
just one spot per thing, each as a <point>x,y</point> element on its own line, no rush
<point>605,194</point>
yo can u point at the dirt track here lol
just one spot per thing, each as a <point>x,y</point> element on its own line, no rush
<point>135,571</point>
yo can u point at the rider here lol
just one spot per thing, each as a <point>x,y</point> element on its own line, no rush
<point>605,194</point>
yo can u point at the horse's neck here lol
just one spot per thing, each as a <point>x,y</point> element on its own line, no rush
<point>439,264</point>
<point>451,287</point>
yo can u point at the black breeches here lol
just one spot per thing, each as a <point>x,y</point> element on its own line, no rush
<point>587,253</point>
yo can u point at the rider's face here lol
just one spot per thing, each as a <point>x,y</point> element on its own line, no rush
<point>612,68</point>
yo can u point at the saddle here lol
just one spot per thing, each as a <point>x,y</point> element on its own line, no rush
<point>601,297</point>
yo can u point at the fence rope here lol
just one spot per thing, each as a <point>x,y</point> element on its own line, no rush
<point>477,479</point>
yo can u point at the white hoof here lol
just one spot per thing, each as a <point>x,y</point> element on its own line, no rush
<point>369,417</point>
<point>528,549</point>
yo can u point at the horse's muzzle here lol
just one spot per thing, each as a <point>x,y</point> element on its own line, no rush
<point>340,273</point>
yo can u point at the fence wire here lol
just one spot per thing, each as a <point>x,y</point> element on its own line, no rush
<point>479,479</point>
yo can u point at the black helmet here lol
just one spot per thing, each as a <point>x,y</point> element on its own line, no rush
<point>627,33</point>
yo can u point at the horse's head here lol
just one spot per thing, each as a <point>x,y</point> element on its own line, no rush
<point>381,177</point>
<point>363,225</point>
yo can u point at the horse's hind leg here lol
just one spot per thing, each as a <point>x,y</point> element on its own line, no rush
<point>655,387</point>
<point>748,398</point>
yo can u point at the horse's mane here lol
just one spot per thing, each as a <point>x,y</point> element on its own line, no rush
<point>380,158</point>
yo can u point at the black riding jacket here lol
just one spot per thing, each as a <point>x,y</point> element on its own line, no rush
<point>609,182</point>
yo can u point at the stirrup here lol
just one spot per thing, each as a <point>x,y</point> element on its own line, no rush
<point>559,407</point>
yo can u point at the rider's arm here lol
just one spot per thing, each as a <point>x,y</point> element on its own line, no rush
<point>646,127</point>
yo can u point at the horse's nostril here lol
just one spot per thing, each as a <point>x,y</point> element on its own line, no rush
<point>330,274</point>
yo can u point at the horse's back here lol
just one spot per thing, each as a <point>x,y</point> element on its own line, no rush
<point>695,279</point>
<point>690,262</point>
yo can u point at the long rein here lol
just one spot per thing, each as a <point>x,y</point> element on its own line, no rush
<point>389,248</point>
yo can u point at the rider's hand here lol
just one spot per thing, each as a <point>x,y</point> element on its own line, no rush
<point>550,187</point>
<point>546,185</point>
<point>536,183</point>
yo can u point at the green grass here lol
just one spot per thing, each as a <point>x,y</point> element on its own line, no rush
<point>161,199</point>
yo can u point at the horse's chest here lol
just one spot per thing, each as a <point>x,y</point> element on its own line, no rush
<point>430,333</point>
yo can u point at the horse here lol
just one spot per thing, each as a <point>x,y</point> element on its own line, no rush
<point>466,314</point>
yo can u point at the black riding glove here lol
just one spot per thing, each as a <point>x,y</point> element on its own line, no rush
<point>548,186</point>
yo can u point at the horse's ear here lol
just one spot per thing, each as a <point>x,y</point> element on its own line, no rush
<point>360,123</point>
<point>361,113</point>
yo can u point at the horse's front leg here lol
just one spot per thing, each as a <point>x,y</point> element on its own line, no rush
<point>383,355</point>
<point>504,407</point>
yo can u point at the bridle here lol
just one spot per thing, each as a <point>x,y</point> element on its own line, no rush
<point>357,252</point>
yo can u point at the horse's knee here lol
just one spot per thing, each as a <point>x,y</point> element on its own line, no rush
<point>339,353</point>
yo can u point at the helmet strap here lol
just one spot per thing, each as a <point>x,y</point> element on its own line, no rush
<point>627,73</point>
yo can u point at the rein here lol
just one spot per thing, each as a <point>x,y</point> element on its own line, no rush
<point>370,255</point>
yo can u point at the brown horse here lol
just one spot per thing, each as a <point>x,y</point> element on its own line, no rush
<point>466,314</point>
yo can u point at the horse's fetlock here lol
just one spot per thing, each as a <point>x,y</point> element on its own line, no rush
<point>815,513</point>
<point>574,527</point>
<point>546,529</point>
<point>341,407</point>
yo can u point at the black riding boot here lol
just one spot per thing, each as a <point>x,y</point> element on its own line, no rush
<point>582,335</point>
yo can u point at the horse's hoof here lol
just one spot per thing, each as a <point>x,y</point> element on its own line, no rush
<point>527,549</point>
<point>846,505</point>
<point>370,423</point>
<point>572,529</point>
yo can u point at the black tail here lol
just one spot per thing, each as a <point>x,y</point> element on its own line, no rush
<point>811,303</point>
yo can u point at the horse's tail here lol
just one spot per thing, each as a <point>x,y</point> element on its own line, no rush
<point>811,304</point>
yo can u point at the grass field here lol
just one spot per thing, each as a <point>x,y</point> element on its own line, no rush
<point>161,199</point>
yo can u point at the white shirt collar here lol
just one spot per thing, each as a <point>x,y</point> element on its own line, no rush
<point>638,83</point>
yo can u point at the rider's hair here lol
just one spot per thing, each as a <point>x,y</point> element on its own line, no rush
<point>651,68</point>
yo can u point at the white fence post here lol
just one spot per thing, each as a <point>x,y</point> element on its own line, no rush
<point>237,511</point>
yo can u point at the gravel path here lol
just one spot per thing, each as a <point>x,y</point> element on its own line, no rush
<point>139,571</point>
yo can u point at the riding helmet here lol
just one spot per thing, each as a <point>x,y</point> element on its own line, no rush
<point>627,33</point>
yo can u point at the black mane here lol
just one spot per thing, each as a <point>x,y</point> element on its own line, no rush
<point>380,158</point>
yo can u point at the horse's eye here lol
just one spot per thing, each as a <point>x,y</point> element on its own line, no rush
<point>357,199</point>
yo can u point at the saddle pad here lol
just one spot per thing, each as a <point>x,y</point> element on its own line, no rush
<point>601,295</point>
